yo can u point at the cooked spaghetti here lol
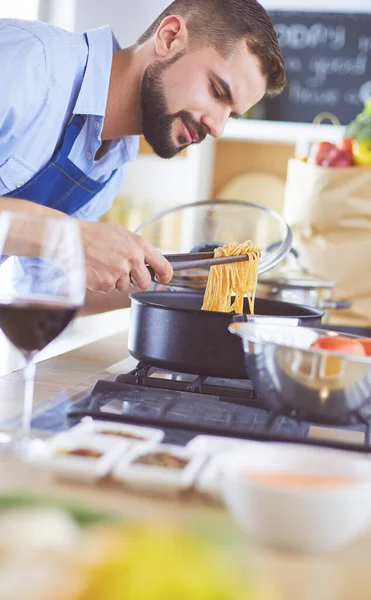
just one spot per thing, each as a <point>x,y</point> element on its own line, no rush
<point>234,279</point>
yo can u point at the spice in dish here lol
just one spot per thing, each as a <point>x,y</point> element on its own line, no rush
<point>83,452</point>
<point>124,434</point>
<point>161,459</point>
<point>286,479</point>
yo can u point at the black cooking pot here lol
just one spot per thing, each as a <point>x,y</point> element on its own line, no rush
<point>170,331</point>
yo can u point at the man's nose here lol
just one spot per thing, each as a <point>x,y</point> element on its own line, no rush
<point>215,123</point>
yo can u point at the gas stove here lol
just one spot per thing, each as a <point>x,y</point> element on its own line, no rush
<point>185,405</point>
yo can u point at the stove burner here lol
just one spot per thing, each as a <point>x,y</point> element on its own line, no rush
<point>185,405</point>
<point>175,401</point>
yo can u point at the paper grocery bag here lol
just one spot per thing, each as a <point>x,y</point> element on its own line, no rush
<point>329,211</point>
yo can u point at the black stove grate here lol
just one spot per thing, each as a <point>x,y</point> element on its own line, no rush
<point>187,405</point>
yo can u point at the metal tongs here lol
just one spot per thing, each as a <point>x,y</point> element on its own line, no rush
<point>193,260</point>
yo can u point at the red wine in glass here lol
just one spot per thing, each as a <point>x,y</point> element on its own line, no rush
<point>42,286</point>
<point>32,325</point>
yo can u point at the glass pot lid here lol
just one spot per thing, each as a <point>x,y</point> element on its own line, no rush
<point>292,278</point>
<point>202,226</point>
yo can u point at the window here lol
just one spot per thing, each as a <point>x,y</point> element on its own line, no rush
<point>21,9</point>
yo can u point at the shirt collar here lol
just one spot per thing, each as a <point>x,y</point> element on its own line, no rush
<point>92,98</point>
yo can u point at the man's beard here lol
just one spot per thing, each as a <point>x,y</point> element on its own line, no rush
<point>156,122</point>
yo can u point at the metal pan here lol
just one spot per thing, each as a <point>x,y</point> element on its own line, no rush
<point>170,331</point>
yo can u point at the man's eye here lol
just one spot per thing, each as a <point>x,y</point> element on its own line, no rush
<point>215,91</point>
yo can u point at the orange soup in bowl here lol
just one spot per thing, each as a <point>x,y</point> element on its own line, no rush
<point>289,479</point>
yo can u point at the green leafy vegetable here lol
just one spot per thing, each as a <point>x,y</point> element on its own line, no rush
<point>360,127</point>
<point>82,515</point>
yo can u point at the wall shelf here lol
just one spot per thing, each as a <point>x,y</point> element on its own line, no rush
<point>278,132</point>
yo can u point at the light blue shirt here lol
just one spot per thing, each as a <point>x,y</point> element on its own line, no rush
<point>43,83</point>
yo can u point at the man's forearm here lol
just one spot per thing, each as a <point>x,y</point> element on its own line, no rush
<point>112,252</point>
<point>25,206</point>
<point>25,238</point>
<point>96,302</point>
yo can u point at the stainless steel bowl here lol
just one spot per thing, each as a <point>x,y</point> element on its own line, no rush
<point>309,383</point>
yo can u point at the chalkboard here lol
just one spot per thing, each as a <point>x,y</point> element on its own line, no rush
<point>328,65</point>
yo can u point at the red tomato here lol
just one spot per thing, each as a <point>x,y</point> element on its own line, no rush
<point>341,344</point>
<point>366,343</point>
<point>346,144</point>
<point>338,158</point>
<point>319,151</point>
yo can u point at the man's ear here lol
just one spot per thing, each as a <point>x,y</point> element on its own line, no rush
<point>171,37</point>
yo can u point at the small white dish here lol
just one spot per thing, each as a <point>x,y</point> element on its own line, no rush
<point>85,458</point>
<point>320,514</point>
<point>116,431</point>
<point>156,478</point>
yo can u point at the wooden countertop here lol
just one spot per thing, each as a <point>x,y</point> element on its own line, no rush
<point>342,575</point>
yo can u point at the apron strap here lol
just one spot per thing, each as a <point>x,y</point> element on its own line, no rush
<point>71,133</point>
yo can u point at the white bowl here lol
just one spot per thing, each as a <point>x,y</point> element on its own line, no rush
<point>300,518</point>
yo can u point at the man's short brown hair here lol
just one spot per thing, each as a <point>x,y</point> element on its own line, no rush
<point>222,24</point>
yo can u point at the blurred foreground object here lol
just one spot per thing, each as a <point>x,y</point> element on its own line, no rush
<point>51,551</point>
<point>161,563</point>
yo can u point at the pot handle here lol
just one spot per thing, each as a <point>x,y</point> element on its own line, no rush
<point>265,319</point>
<point>240,318</point>
<point>336,304</point>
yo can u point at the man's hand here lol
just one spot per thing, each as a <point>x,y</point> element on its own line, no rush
<point>115,257</point>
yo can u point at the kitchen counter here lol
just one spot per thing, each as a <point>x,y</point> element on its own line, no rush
<point>342,575</point>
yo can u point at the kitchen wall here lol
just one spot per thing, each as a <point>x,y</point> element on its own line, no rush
<point>24,9</point>
<point>362,6</point>
<point>128,18</point>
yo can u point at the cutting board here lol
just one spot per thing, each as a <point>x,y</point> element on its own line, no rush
<point>262,188</point>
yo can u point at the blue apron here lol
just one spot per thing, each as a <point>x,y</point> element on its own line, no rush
<point>61,184</point>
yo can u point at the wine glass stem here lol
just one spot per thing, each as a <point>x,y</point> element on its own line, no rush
<point>29,380</point>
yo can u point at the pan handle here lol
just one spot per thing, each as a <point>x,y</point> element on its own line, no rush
<point>265,319</point>
<point>336,304</point>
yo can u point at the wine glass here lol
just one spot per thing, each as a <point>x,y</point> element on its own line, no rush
<point>42,286</point>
